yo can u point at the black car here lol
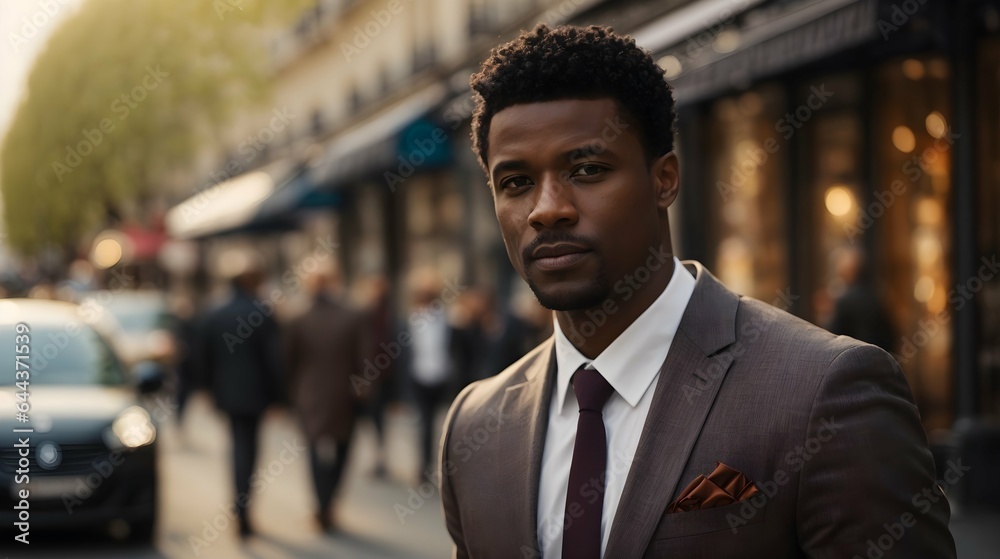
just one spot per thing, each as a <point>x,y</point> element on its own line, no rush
<point>77,448</point>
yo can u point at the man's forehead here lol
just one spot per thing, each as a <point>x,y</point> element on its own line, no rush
<point>567,113</point>
<point>564,121</point>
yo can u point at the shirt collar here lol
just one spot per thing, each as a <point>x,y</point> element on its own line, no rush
<point>633,360</point>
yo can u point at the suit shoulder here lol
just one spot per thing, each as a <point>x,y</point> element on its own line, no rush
<point>793,335</point>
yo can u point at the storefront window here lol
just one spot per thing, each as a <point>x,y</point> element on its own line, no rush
<point>746,155</point>
<point>909,209</point>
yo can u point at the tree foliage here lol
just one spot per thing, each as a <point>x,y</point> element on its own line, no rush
<point>126,92</point>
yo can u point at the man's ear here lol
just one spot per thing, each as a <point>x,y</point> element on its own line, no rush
<point>665,172</point>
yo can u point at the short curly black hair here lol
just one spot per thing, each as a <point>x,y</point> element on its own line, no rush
<point>572,62</point>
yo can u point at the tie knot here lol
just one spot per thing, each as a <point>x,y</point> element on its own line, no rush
<point>592,391</point>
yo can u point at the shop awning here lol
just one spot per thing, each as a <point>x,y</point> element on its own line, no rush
<point>371,147</point>
<point>688,20</point>
<point>231,206</point>
<point>765,41</point>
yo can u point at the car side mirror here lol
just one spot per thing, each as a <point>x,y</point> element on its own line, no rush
<point>149,376</point>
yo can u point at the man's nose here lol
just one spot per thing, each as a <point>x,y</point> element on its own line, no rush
<point>554,203</point>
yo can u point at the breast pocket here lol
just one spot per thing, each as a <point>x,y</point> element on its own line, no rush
<point>733,518</point>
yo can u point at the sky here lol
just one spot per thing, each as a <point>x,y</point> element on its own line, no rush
<point>25,26</point>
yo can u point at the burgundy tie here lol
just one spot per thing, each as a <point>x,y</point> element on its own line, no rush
<point>585,492</point>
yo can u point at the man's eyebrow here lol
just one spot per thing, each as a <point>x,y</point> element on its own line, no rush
<point>582,151</point>
<point>509,165</point>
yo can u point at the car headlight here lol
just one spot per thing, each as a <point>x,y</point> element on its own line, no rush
<point>131,429</point>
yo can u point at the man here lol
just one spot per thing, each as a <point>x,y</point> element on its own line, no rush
<point>324,348</point>
<point>430,358</point>
<point>238,351</point>
<point>667,416</point>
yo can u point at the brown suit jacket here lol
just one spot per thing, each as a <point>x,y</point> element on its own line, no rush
<point>824,425</point>
<point>324,347</point>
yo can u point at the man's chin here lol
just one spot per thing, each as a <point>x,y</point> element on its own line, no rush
<point>570,298</point>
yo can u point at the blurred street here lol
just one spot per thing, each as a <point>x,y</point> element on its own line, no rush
<point>195,481</point>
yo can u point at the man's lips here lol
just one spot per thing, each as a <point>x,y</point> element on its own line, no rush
<point>558,256</point>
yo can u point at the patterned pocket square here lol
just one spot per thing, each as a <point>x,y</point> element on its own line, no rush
<point>724,486</point>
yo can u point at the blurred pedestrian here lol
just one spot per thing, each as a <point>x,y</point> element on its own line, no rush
<point>325,349</point>
<point>487,339</point>
<point>378,301</point>
<point>507,336</point>
<point>859,312</point>
<point>430,363</point>
<point>184,325</point>
<point>238,352</point>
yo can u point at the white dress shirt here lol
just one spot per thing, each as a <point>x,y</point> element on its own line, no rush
<point>631,364</point>
<point>429,332</point>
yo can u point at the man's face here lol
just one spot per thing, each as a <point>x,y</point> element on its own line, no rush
<point>578,203</point>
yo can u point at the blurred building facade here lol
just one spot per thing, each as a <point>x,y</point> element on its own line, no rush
<point>807,128</point>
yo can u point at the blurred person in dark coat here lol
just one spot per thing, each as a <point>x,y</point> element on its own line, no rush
<point>378,302</point>
<point>238,351</point>
<point>488,339</point>
<point>859,312</point>
<point>325,349</point>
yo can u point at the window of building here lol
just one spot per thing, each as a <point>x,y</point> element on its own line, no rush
<point>910,211</point>
<point>746,205</point>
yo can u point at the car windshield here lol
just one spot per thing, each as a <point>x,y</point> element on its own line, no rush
<point>138,316</point>
<point>61,355</point>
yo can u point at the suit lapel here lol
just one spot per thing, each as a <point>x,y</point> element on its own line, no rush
<point>689,381</point>
<point>520,441</point>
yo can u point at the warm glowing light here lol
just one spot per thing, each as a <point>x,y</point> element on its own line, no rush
<point>936,125</point>
<point>913,68</point>
<point>839,201</point>
<point>672,66</point>
<point>929,212</point>
<point>903,139</point>
<point>106,253</point>
<point>923,290</point>
<point>928,248</point>
<point>727,41</point>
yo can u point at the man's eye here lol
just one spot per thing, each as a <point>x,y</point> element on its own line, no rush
<point>515,182</point>
<point>588,170</point>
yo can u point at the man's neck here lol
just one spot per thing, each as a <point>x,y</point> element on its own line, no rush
<point>617,315</point>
